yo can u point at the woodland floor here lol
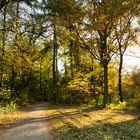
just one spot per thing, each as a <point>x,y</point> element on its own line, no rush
<point>45,121</point>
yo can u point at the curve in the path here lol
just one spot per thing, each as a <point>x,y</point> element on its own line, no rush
<point>34,127</point>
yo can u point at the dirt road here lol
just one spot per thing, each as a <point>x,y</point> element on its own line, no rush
<point>46,121</point>
<point>33,127</point>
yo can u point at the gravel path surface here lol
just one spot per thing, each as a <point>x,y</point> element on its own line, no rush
<point>34,127</point>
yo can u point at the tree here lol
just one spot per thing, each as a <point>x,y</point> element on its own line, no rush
<point>3,47</point>
<point>124,37</point>
<point>99,25</point>
<point>85,35</point>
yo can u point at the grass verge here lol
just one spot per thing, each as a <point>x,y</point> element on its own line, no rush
<point>9,113</point>
<point>76,123</point>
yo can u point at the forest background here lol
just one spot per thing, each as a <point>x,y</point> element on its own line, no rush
<point>88,38</point>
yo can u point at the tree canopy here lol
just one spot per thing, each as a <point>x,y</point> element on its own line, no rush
<point>66,51</point>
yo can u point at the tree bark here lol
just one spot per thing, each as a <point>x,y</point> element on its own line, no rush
<point>3,48</point>
<point>40,80</point>
<point>105,84</point>
<point>71,57</point>
<point>54,64</point>
<point>105,59</point>
<point>120,78</point>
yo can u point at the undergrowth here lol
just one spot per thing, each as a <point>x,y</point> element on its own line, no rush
<point>8,107</point>
<point>119,106</point>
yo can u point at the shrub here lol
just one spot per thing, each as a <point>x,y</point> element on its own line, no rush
<point>5,95</point>
<point>79,89</point>
<point>6,107</point>
<point>119,106</point>
<point>93,103</point>
<point>100,102</point>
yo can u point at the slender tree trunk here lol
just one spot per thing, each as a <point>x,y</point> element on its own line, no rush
<point>71,57</point>
<point>120,78</point>
<point>92,78</point>
<point>54,64</point>
<point>3,48</point>
<point>57,71</point>
<point>105,84</point>
<point>13,74</point>
<point>40,81</point>
<point>54,73</point>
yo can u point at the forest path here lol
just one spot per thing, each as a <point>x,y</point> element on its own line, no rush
<point>32,127</point>
<point>47,121</point>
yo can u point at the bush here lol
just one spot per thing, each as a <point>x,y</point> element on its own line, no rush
<point>6,107</point>
<point>5,95</point>
<point>93,103</point>
<point>23,96</point>
<point>79,89</point>
<point>100,101</point>
<point>119,106</point>
<point>133,103</point>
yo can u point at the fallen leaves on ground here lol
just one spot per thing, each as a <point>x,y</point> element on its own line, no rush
<point>73,123</point>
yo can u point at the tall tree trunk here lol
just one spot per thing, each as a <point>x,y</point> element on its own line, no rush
<point>71,57</point>
<point>92,78</point>
<point>92,68</point>
<point>13,74</point>
<point>54,64</point>
<point>3,48</point>
<point>57,72</point>
<point>40,81</point>
<point>105,84</point>
<point>104,59</point>
<point>120,78</point>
